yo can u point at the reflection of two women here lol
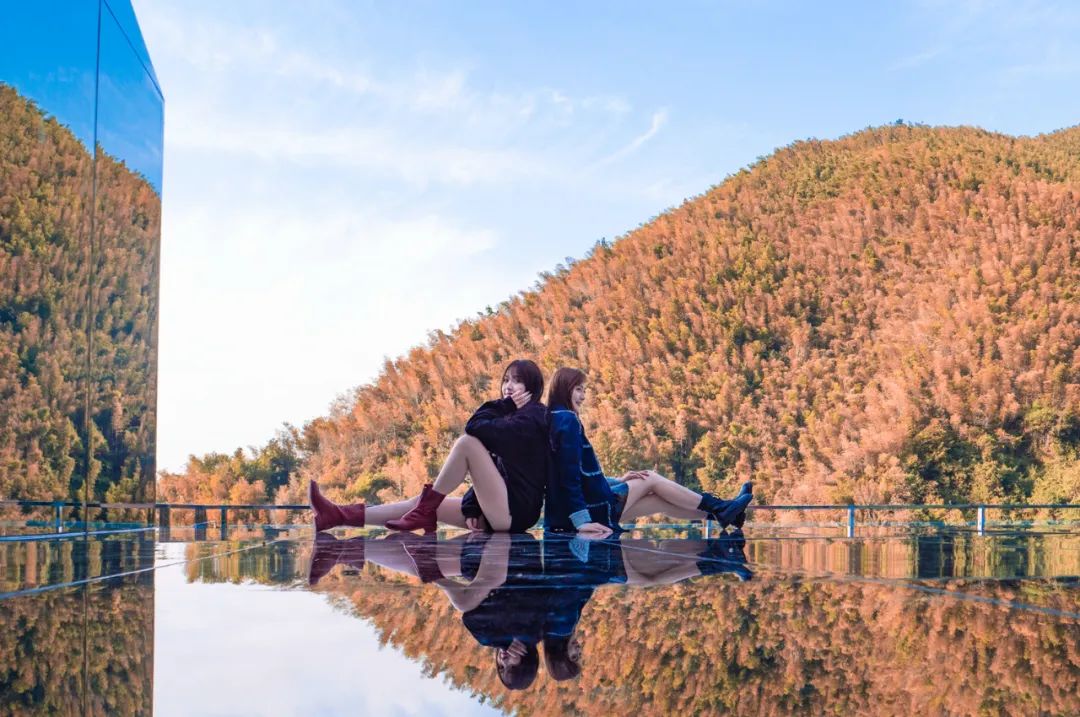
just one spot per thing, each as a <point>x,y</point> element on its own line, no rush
<point>520,455</point>
<point>516,593</point>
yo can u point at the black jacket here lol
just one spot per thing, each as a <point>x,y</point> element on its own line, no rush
<point>517,438</point>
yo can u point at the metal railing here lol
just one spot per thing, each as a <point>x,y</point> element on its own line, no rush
<point>161,512</point>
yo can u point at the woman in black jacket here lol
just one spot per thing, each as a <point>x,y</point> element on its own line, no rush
<point>504,449</point>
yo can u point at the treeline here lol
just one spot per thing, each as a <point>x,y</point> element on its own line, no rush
<point>893,316</point>
<point>56,282</point>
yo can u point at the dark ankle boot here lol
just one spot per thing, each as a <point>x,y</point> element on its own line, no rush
<point>329,514</point>
<point>724,512</point>
<point>740,519</point>
<point>423,515</point>
<point>725,555</point>
<point>328,552</point>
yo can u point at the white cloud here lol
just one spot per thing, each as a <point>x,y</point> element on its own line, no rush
<point>363,148</point>
<point>659,119</point>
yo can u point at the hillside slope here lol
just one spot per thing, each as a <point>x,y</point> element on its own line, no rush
<point>892,316</point>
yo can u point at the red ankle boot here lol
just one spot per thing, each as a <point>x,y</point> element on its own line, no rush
<point>423,515</point>
<point>328,552</point>
<point>329,514</point>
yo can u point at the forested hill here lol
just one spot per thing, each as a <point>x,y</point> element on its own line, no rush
<point>892,316</point>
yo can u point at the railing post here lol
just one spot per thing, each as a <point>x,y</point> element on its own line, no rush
<point>851,521</point>
<point>708,528</point>
<point>224,522</point>
<point>164,523</point>
<point>981,520</point>
<point>200,523</point>
<point>59,516</point>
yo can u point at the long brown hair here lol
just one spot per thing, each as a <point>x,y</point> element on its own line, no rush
<point>563,383</point>
<point>557,659</point>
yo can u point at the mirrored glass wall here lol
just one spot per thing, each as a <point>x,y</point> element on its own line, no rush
<point>81,125</point>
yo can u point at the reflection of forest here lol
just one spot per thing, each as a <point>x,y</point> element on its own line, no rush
<point>769,646</point>
<point>32,564</point>
<point>79,650</point>
<point>46,275</point>
<point>930,556</point>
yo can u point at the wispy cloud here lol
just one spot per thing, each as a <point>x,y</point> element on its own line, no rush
<point>377,151</point>
<point>659,119</point>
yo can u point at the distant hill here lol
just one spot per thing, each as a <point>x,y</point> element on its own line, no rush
<point>891,316</point>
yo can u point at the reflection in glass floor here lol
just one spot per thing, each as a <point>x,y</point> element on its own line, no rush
<point>270,621</point>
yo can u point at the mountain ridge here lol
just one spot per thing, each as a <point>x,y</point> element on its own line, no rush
<point>889,316</point>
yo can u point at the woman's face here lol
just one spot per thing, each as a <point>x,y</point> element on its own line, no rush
<point>510,656</point>
<point>510,384</point>
<point>577,397</point>
<point>573,650</point>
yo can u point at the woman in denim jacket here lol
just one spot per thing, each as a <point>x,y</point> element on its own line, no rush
<point>581,498</point>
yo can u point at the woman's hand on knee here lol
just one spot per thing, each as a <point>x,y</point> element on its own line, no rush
<point>633,475</point>
<point>476,525</point>
<point>594,530</point>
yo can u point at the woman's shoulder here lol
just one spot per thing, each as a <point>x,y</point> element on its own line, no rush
<point>563,418</point>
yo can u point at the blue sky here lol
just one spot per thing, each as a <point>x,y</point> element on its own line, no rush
<point>342,177</point>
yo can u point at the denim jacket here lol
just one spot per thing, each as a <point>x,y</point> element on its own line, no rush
<point>577,491</point>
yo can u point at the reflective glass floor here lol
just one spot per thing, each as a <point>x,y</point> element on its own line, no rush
<point>269,621</point>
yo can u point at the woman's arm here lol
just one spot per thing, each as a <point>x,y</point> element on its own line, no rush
<point>501,424</point>
<point>567,438</point>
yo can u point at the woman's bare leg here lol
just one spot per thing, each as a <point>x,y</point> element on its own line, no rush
<point>645,564</point>
<point>393,554</point>
<point>490,574</point>
<point>379,514</point>
<point>689,548</point>
<point>390,554</point>
<point>672,492</point>
<point>640,503</point>
<point>448,555</point>
<point>469,457</point>
<point>449,512</point>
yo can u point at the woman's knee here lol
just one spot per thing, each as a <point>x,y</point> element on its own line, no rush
<point>465,442</point>
<point>652,480</point>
